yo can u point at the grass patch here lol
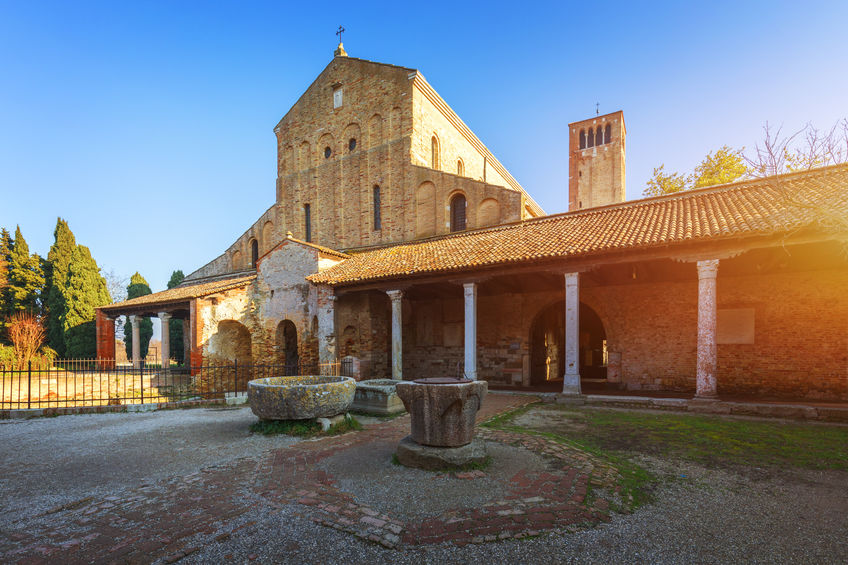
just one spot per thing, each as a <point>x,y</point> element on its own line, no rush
<point>304,428</point>
<point>715,442</point>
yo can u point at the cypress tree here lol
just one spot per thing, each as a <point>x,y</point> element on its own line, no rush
<point>86,290</point>
<point>59,260</point>
<point>176,328</point>
<point>6,243</point>
<point>26,278</point>
<point>138,287</point>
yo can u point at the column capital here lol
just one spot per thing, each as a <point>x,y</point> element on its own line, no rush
<point>395,295</point>
<point>164,316</point>
<point>572,279</point>
<point>133,318</point>
<point>707,269</point>
<point>469,288</point>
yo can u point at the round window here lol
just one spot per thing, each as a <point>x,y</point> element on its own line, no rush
<point>351,145</point>
<point>327,152</point>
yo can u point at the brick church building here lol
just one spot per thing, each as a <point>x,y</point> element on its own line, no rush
<point>398,241</point>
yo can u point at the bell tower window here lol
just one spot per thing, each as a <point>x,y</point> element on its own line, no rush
<point>307,222</point>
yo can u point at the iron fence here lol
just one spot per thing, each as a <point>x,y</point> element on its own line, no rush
<point>103,382</point>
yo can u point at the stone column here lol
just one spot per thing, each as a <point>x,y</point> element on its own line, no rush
<point>326,329</point>
<point>165,319</point>
<point>136,342</point>
<point>396,296</point>
<point>705,379</point>
<point>571,381</point>
<point>470,330</point>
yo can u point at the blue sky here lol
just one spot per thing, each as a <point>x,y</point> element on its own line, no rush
<point>148,125</point>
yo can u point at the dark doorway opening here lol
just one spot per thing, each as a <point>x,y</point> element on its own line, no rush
<point>547,347</point>
<point>287,353</point>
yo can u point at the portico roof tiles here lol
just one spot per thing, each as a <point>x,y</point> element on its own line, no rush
<point>768,206</point>
<point>182,293</point>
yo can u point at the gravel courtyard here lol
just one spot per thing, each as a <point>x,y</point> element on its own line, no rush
<point>195,486</point>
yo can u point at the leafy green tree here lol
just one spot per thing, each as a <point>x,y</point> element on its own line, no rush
<point>722,166</point>
<point>59,261</point>
<point>138,287</point>
<point>26,278</point>
<point>175,331</point>
<point>86,290</point>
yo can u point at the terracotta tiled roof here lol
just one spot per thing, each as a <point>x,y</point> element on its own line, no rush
<point>181,293</point>
<point>321,248</point>
<point>751,208</point>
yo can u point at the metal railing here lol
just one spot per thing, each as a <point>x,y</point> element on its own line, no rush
<point>103,382</point>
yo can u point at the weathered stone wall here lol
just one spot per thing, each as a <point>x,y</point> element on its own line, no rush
<point>282,293</point>
<point>364,324</point>
<point>596,174</point>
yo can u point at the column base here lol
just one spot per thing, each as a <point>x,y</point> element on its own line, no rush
<point>570,399</point>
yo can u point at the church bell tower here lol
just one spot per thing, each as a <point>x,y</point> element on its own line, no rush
<point>596,161</point>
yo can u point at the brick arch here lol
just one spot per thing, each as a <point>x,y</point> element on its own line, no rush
<point>231,342</point>
<point>325,141</point>
<point>397,125</point>
<point>351,131</point>
<point>488,213</point>
<point>425,209</point>
<point>304,157</point>
<point>551,316</point>
<point>268,236</point>
<point>458,206</point>
<point>375,131</point>
<point>288,164</point>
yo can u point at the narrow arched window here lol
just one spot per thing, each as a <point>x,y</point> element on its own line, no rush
<point>378,220</point>
<point>307,222</point>
<point>460,167</point>
<point>434,148</point>
<point>582,139</point>
<point>608,133</point>
<point>457,213</point>
<point>591,141</point>
<point>599,136</point>
<point>254,253</point>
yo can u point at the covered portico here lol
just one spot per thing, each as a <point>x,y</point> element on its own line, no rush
<point>714,291</point>
<point>178,305</point>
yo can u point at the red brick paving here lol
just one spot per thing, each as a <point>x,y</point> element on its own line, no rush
<point>175,517</point>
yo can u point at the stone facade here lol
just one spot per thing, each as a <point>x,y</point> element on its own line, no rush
<point>333,158</point>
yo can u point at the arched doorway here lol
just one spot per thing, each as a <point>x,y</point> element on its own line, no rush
<point>286,341</point>
<point>593,349</point>
<point>547,347</point>
<point>230,348</point>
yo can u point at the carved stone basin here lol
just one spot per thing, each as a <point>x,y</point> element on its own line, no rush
<point>300,397</point>
<point>442,410</point>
